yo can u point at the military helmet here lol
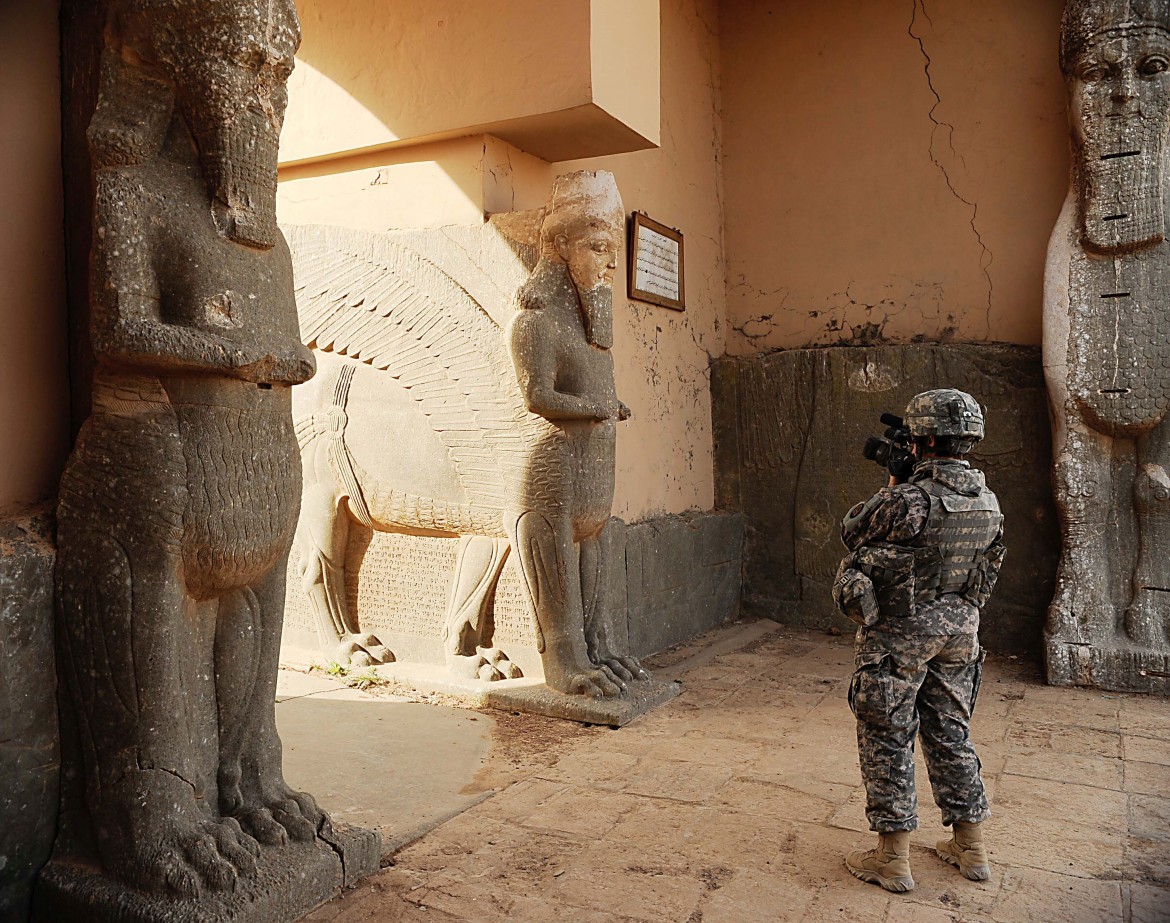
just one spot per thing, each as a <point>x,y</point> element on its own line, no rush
<point>945,412</point>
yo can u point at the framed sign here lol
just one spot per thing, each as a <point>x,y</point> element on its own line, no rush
<point>655,273</point>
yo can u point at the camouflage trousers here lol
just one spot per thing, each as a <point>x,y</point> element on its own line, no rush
<point>904,686</point>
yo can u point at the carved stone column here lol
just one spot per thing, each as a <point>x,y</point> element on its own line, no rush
<point>178,505</point>
<point>1107,353</point>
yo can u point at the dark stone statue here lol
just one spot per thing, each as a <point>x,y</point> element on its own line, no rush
<point>179,502</point>
<point>1107,352</point>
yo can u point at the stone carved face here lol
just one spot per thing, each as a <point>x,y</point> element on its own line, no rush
<point>228,61</point>
<point>591,256</point>
<point>1119,87</point>
<point>583,230</point>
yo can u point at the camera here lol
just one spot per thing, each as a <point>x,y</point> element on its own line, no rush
<point>892,451</point>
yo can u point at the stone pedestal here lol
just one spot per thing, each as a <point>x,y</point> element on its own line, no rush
<point>289,882</point>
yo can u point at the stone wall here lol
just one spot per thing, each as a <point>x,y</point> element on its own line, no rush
<point>789,428</point>
<point>29,753</point>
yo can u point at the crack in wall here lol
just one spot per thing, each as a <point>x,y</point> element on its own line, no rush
<point>986,257</point>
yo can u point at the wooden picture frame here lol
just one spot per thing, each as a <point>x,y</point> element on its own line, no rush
<point>654,270</point>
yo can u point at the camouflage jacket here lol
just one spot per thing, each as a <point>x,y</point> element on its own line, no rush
<point>896,516</point>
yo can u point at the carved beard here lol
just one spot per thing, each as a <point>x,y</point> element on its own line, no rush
<point>1120,162</point>
<point>239,163</point>
<point>597,313</point>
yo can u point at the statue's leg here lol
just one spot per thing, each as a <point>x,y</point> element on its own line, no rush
<point>548,560</point>
<point>1081,610</point>
<point>137,661</point>
<point>262,801</point>
<point>130,643</point>
<point>1148,617</point>
<point>595,575</point>
<point>477,571</point>
<point>323,536</point>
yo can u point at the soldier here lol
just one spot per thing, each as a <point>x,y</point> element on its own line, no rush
<point>925,552</point>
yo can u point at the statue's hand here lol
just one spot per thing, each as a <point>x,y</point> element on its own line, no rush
<point>624,412</point>
<point>291,366</point>
<point>601,412</point>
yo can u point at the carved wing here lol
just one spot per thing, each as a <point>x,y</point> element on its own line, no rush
<point>362,295</point>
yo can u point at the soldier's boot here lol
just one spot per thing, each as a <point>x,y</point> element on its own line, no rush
<point>966,850</point>
<point>888,865</point>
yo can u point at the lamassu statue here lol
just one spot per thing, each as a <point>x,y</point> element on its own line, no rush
<point>505,438</point>
<point>1107,352</point>
<point>179,502</point>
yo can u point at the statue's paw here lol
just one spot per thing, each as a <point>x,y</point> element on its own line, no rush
<point>625,668</point>
<point>208,856</point>
<point>283,816</point>
<point>596,684</point>
<point>489,664</point>
<point>362,651</point>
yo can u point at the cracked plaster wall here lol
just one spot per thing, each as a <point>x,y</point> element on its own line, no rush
<point>892,170</point>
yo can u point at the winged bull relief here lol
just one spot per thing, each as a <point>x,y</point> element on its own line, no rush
<point>499,436</point>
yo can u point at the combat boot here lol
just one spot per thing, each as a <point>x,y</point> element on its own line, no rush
<point>888,865</point>
<point>966,850</point>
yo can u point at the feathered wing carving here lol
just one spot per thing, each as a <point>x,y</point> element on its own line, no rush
<point>362,295</point>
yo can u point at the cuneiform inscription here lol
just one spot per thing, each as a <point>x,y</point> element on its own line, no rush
<point>657,264</point>
<point>399,583</point>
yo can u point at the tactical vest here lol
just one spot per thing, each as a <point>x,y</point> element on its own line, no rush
<point>947,557</point>
<point>950,550</point>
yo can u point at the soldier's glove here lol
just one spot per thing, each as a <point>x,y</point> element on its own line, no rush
<point>854,595</point>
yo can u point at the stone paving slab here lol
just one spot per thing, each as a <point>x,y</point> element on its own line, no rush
<point>736,802</point>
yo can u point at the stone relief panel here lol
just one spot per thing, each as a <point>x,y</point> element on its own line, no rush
<point>485,425</point>
<point>178,505</point>
<point>1107,353</point>
<point>788,436</point>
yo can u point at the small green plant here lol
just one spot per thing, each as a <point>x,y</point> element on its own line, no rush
<point>364,680</point>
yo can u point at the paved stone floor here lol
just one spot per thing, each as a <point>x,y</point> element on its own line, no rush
<point>735,803</point>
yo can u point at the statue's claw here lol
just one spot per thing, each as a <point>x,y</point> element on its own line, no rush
<point>362,650</point>
<point>596,684</point>
<point>490,664</point>
<point>209,855</point>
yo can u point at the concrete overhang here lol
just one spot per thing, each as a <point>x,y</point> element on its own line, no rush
<point>561,81</point>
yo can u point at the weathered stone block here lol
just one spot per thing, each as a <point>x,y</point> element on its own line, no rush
<point>788,454</point>
<point>30,761</point>
<point>682,577</point>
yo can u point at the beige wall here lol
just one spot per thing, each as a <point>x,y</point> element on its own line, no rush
<point>34,399</point>
<point>860,206</point>
<point>374,74</point>
<point>662,357</point>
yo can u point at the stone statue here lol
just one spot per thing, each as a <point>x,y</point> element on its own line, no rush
<point>178,505</point>
<point>503,438</point>
<point>1107,352</point>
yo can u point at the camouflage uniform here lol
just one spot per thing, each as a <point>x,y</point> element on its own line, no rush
<point>918,661</point>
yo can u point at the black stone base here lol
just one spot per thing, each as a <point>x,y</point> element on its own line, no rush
<point>290,882</point>
<point>1116,669</point>
<point>540,700</point>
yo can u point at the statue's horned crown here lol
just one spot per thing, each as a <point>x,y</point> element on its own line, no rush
<point>585,197</point>
<point>1084,20</point>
